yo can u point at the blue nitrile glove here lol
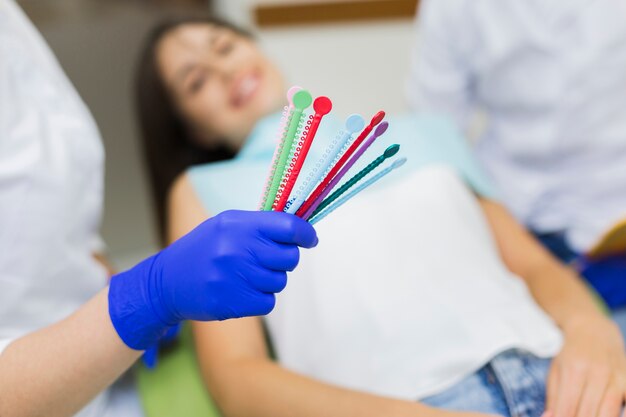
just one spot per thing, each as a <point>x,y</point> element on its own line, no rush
<point>151,356</point>
<point>230,266</point>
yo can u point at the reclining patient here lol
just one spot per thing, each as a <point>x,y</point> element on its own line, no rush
<point>424,297</point>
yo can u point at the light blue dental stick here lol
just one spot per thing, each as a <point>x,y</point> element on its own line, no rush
<point>338,203</point>
<point>354,123</point>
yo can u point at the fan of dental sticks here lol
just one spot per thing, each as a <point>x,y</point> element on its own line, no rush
<point>317,195</point>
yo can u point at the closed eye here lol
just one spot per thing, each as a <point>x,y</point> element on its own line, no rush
<point>196,81</point>
<point>226,48</point>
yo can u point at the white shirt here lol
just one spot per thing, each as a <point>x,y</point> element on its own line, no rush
<point>410,303</point>
<point>551,75</point>
<point>51,187</point>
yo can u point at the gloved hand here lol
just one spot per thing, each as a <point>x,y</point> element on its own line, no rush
<point>151,356</point>
<point>230,266</point>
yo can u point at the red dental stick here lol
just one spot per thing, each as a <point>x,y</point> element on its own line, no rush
<point>378,117</point>
<point>322,106</point>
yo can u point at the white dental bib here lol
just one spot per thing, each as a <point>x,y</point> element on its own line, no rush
<point>406,293</point>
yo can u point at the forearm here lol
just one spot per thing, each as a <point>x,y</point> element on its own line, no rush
<point>560,291</point>
<point>57,370</point>
<point>260,388</point>
<point>556,287</point>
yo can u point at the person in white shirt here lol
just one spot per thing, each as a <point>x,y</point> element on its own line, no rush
<point>551,78</point>
<point>64,335</point>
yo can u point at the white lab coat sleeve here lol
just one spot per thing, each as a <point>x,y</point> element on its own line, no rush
<point>20,151</point>
<point>4,343</point>
<point>98,245</point>
<point>441,69</point>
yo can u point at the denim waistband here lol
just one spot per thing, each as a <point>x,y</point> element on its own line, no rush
<point>512,384</point>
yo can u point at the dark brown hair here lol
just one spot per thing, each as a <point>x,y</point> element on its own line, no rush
<point>168,146</point>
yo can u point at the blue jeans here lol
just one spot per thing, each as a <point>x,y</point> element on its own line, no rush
<point>607,276</point>
<point>511,384</point>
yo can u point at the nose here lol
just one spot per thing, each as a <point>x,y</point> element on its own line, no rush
<point>225,68</point>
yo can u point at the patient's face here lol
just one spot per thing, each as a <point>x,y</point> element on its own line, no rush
<point>219,80</point>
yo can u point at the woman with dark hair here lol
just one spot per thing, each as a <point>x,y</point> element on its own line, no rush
<point>173,143</point>
<point>442,299</point>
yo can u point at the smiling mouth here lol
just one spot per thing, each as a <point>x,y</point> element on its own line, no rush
<point>245,88</point>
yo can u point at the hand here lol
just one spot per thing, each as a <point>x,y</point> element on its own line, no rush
<point>228,267</point>
<point>588,377</point>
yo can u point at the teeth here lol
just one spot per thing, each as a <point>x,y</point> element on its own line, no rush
<point>247,87</point>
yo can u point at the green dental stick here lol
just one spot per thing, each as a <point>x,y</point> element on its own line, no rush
<point>301,100</point>
<point>389,152</point>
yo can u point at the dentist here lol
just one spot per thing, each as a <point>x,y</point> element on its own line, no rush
<point>64,336</point>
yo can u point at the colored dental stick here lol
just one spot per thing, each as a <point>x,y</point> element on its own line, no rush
<point>322,106</point>
<point>389,152</point>
<point>341,201</point>
<point>342,140</point>
<point>284,121</point>
<point>301,100</point>
<point>380,129</point>
<point>378,117</point>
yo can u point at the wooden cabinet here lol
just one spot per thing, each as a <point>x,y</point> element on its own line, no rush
<point>276,13</point>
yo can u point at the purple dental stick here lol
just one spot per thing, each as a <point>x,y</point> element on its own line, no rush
<point>380,129</point>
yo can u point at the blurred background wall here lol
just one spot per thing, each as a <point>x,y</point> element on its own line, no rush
<point>361,64</point>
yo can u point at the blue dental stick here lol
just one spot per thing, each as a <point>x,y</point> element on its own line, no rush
<point>339,202</point>
<point>324,201</point>
<point>340,143</point>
